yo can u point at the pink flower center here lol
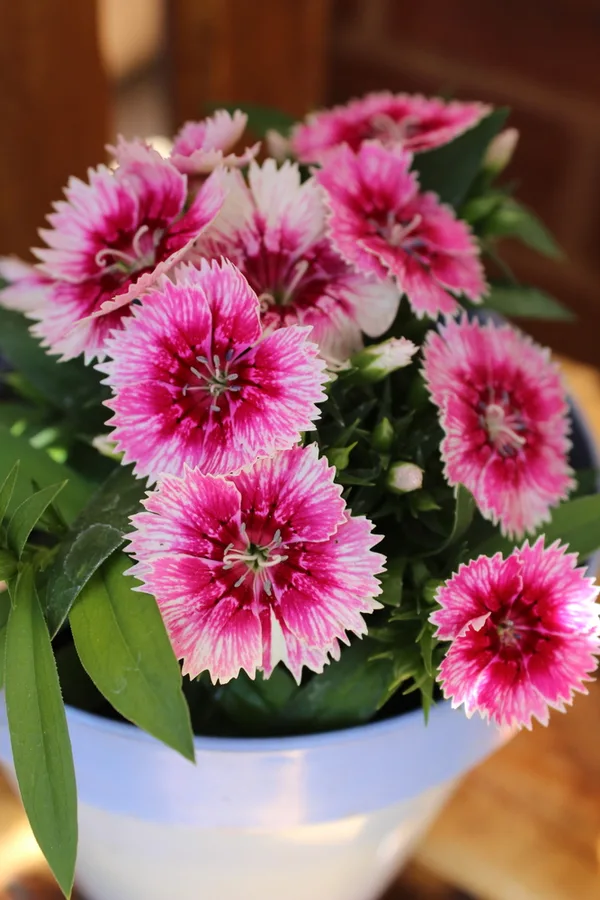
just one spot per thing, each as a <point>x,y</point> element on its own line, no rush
<point>141,255</point>
<point>255,559</point>
<point>502,423</point>
<point>390,130</point>
<point>284,296</point>
<point>399,233</point>
<point>214,378</point>
<point>515,632</point>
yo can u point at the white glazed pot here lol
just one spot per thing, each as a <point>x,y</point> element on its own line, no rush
<point>319,817</point>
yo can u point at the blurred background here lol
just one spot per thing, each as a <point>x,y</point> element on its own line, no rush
<point>525,825</point>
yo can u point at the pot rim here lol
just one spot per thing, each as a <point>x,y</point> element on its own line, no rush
<point>284,743</point>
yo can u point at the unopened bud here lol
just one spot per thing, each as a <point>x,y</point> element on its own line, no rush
<point>383,435</point>
<point>404,477</point>
<point>500,151</point>
<point>379,360</point>
<point>339,456</point>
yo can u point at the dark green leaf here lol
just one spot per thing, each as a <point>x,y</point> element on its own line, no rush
<point>96,534</point>
<point>260,118</point>
<point>512,219</point>
<point>69,386</point>
<point>38,731</point>
<point>36,465</point>
<point>350,691</point>
<point>526,302</point>
<point>392,582</point>
<point>255,705</point>
<point>7,489</point>
<point>464,510</point>
<point>450,170</point>
<point>4,613</point>
<point>124,648</point>
<point>575,522</point>
<point>8,565</point>
<point>27,515</point>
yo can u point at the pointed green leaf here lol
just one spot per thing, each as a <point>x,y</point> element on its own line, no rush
<point>392,582</point>
<point>575,522</point>
<point>39,736</point>
<point>450,170</point>
<point>36,465</point>
<point>464,510</point>
<point>512,219</point>
<point>4,613</point>
<point>6,491</point>
<point>94,536</point>
<point>28,514</point>
<point>526,302</point>
<point>70,386</point>
<point>8,565</point>
<point>124,648</point>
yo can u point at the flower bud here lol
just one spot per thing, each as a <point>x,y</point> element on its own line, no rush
<point>500,151</point>
<point>378,360</point>
<point>339,456</point>
<point>404,477</point>
<point>383,435</point>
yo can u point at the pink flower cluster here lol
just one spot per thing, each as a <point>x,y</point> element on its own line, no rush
<point>217,296</point>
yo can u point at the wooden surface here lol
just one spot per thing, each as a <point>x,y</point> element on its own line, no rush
<point>525,825</point>
<point>232,51</point>
<point>53,109</point>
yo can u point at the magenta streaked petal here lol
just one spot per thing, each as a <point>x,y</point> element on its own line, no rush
<point>504,412</point>
<point>28,290</point>
<point>383,227</point>
<point>413,121</point>
<point>224,555</point>
<point>525,633</point>
<point>309,504</point>
<point>196,383</point>
<point>199,147</point>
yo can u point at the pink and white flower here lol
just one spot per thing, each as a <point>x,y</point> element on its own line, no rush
<point>505,415</point>
<point>384,227</point>
<point>199,147</point>
<point>524,633</point>
<point>28,290</point>
<point>273,229</point>
<point>257,567</point>
<point>110,241</point>
<point>197,382</point>
<point>412,121</point>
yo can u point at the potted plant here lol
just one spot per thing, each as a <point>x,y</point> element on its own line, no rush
<point>273,487</point>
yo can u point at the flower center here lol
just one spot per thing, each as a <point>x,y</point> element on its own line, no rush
<point>256,558</point>
<point>284,296</point>
<point>214,378</point>
<point>399,234</point>
<point>504,428</point>
<point>142,254</point>
<point>388,129</point>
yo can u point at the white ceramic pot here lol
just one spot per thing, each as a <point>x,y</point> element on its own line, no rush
<point>320,817</point>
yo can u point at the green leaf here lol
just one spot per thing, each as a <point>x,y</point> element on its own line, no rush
<point>464,511</point>
<point>575,522</point>
<point>39,736</point>
<point>6,491</point>
<point>8,565</point>
<point>450,170</point>
<point>4,613</point>
<point>392,582</point>
<point>94,536</point>
<point>69,386</point>
<point>36,466</point>
<point>124,648</point>
<point>526,302</point>
<point>351,690</point>
<point>255,705</point>
<point>28,514</point>
<point>260,118</point>
<point>512,219</point>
